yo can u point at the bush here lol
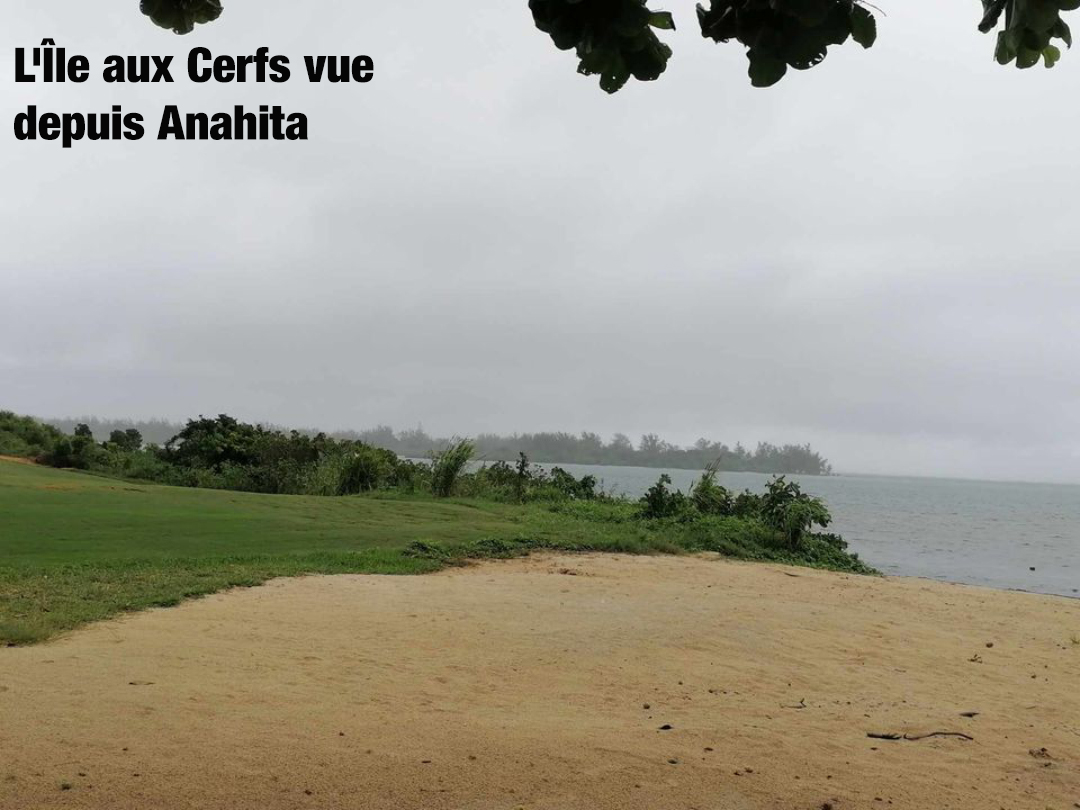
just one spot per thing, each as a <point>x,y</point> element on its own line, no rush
<point>26,437</point>
<point>365,468</point>
<point>583,488</point>
<point>499,481</point>
<point>661,502</point>
<point>709,497</point>
<point>129,440</point>
<point>323,477</point>
<point>789,510</point>
<point>145,465</point>
<point>746,504</point>
<point>447,465</point>
<point>524,483</point>
<point>61,455</point>
<point>78,452</point>
<point>409,476</point>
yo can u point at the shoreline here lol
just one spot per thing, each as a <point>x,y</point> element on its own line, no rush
<point>997,589</point>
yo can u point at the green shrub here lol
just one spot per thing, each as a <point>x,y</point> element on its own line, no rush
<point>324,476</point>
<point>497,481</point>
<point>26,437</point>
<point>365,468</point>
<point>583,488</point>
<point>746,504</point>
<point>144,464</point>
<point>789,510</point>
<point>410,476</point>
<point>709,497</point>
<point>660,502</point>
<point>128,440</point>
<point>525,483</point>
<point>61,454</point>
<point>447,465</point>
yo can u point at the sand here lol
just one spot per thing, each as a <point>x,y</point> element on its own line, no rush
<point>551,683</point>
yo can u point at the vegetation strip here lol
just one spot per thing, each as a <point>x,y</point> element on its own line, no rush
<point>79,546</point>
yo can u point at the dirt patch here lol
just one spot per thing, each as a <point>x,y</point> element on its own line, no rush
<point>642,683</point>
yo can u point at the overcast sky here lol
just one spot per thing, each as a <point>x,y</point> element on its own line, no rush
<point>879,256</point>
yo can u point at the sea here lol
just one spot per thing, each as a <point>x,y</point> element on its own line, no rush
<point>1014,536</point>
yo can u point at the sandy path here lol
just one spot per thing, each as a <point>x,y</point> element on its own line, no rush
<point>515,684</point>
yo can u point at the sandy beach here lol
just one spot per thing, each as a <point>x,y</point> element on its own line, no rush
<point>557,682</point>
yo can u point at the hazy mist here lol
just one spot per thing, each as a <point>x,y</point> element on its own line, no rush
<point>878,256</point>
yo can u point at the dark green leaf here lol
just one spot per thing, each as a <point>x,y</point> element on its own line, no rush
<point>765,69</point>
<point>863,26</point>
<point>1062,32</point>
<point>1005,52</point>
<point>662,19</point>
<point>1026,57</point>
<point>993,9</point>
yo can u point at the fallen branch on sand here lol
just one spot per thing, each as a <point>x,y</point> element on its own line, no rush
<point>914,737</point>
<point>959,734</point>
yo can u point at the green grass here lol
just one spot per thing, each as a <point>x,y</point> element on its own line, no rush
<point>76,548</point>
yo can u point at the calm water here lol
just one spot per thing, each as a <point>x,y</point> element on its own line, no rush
<point>977,532</point>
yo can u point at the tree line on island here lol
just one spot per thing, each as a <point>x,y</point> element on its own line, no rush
<point>543,447</point>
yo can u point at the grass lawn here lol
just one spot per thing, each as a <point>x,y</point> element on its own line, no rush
<point>76,548</point>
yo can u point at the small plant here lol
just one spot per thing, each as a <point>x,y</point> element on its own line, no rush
<point>583,489</point>
<point>746,505</point>
<point>410,476</point>
<point>708,496</point>
<point>447,465</point>
<point>661,502</point>
<point>786,508</point>
<point>524,482</point>
<point>424,550</point>
<point>364,469</point>
<point>62,454</point>
<point>523,474</point>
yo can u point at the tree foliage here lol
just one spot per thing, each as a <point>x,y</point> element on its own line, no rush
<point>26,437</point>
<point>789,510</point>
<point>127,441</point>
<point>615,38</point>
<point>784,508</point>
<point>1029,30</point>
<point>788,33</point>
<point>555,447</point>
<point>181,16</point>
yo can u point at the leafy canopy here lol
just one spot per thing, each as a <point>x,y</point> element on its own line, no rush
<point>617,39</point>
<point>1030,27</point>
<point>181,16</point>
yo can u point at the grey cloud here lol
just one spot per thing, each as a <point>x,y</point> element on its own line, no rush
<point>877,256</point>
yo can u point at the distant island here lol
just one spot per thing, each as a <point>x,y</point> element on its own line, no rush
<point>544,447</point>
